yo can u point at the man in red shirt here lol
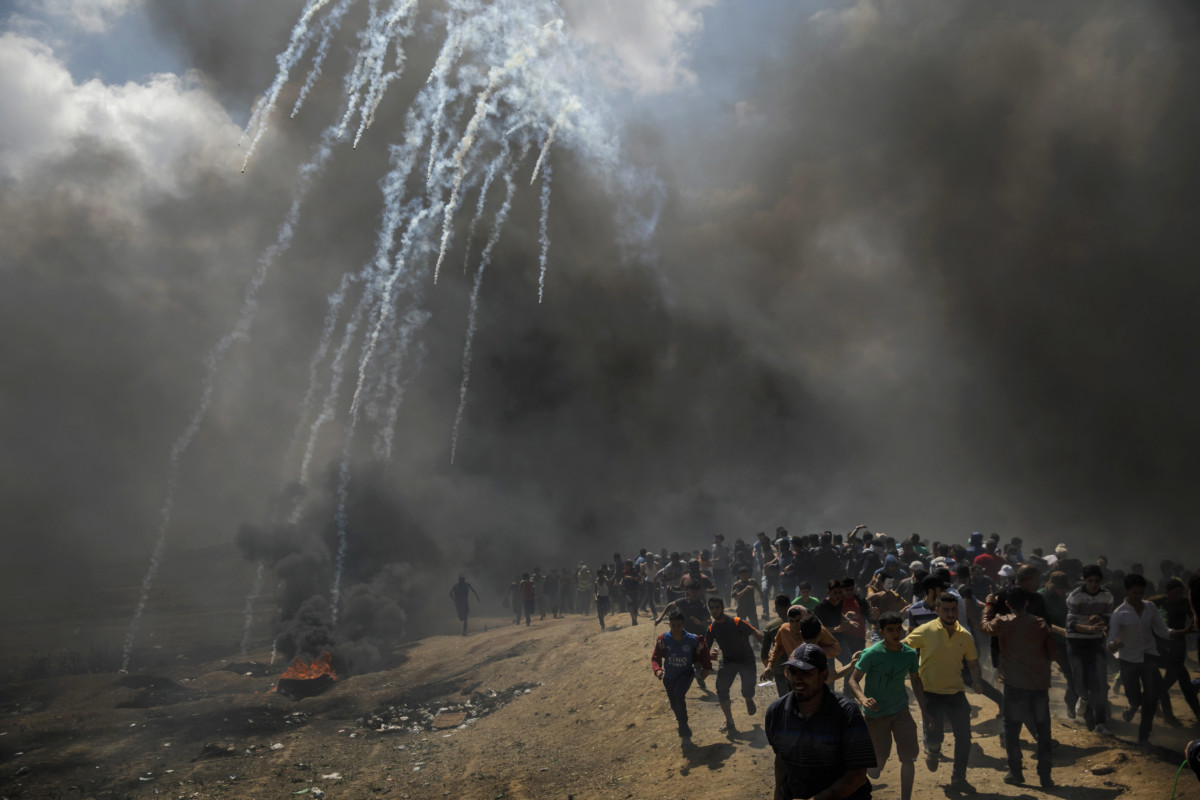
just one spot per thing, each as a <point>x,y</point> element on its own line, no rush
<point>989,561</point>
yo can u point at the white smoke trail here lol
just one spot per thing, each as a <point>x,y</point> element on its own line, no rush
<point>572,106</point>
<point>241,331</point>
<point>398,25</point>
<point>301,36</point>
<point>505,68</point>
<point>249,612</point>
<point>473,311</point>
<point>414,320</point>
<point>483,192</point>
<point>451,51</point>
<point>544,232</point>
<point>335,301</point>
<point>327,413</point>
<point>400,268</point>
<point>330,25</point>
<point>484,107</point>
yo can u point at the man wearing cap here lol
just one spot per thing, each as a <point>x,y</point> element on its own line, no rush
<point>822,746</point>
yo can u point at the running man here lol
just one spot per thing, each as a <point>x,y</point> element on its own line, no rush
<point>673,662</point>
<point>944,645</point>
<point>460,594</point>
<point>884,701</point>
<point>737,659</point>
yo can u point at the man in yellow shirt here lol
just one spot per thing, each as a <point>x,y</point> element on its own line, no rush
<point>944,646</point>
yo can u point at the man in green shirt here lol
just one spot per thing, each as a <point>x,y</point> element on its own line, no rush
<point>1054,593</point>
<point>885,702</point>
<point>805,598</point>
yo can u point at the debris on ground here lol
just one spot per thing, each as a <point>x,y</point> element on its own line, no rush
<point>440,715</point>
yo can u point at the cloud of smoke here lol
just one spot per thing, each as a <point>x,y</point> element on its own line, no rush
<point>921,265</point>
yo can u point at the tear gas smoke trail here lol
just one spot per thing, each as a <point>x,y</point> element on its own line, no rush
<point>400,21</point>
<point>483,193</point>
<point>385,306</point>
<point>550,140</point>
<point>484,107</point>
<point>393,215</point>
<point>450,53</point>
<point>414,320</point>
<point>329,26</point>
<point>160,546</point>
<point>518,93</point>
<point>241,331</point>
<point>473,311</point>
<point>301,36</point>
<point>337,370</point>
<point>334,301</point>
<point>544,231</point>
<point>415,224</point>
<point>249,613</point>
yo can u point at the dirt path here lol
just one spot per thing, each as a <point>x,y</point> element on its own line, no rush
<point>555,710</point>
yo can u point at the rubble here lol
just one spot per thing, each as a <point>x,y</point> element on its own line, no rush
<point>440,715</point>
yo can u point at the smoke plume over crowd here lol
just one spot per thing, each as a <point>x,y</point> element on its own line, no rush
<point>924,265</point>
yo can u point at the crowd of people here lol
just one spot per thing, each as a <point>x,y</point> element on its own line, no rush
<point>893,615</point>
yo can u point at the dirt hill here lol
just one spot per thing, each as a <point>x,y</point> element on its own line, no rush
<point>556,710</point>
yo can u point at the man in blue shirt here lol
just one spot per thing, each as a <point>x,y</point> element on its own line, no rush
<point>673,658</point>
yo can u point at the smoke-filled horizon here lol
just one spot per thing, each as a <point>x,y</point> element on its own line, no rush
<point>922,266</point>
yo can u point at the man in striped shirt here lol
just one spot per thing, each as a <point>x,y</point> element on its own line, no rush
<point>1089,607</point>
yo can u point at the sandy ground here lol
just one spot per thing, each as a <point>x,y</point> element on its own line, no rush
<point>555,710</point>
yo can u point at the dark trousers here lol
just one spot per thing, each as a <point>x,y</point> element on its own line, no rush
<point>721,581</point>
<point>647,598</point>
<point>1141,689</point>
<point>1175,671</point>
<point>1071,697</point>
<point>1089,667</point>
<point>955,708</point>
<point>728,670</point>
<point>527,603</point>
<point>1030,708</point>
<point>677,689</point>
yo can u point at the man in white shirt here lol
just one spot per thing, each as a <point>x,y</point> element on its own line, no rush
<point>1131,632</point>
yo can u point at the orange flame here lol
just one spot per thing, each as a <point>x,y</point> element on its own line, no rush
<point>322,666</point>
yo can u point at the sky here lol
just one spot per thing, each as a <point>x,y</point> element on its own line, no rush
<point>926,266</point>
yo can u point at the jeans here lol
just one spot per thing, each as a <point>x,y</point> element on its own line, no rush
<point>770,588</point>
<point>677,688</point>
<point>1027,707</point>
<point>1141,688</point>
<point>958,710</point>
<point>1090,670</point>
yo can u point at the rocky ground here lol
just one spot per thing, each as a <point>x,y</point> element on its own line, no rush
<point>555,710</point>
